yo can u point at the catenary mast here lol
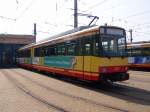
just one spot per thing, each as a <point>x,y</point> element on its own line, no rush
<point>75,13</point>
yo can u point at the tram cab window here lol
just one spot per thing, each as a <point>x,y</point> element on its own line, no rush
<point>113,45</point>
<point>110,45</point>
<point>105,45</point>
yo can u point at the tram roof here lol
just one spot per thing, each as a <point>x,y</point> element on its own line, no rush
<point>64,36</point>
<point>138,45</point>
<point>72,34</point>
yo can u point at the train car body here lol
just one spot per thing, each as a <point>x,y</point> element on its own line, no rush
<point>94,54</point>
<point>139,55</point>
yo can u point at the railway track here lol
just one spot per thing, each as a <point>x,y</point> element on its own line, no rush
<point>126,90</point>
<point>22,88</point>
<point>115,89</point>
<point>140,80</point>
<point>67,94</point>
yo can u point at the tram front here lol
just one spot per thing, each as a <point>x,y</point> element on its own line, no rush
<point>113,61</point>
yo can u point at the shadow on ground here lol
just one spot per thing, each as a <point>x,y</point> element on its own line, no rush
<point>125,92</point>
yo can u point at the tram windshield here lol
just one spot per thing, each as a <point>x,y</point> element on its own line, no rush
<point>113,43</point>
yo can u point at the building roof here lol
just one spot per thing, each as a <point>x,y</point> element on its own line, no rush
<point>16,39</point>
<point>15,36</point>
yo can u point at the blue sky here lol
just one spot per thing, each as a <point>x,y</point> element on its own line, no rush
<point>55,16</point>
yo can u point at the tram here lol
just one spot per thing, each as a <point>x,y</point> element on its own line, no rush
<point>139,55</point>
<point>97,53</point>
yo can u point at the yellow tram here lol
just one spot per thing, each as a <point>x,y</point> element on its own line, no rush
<point>95,53</point>
<point>139,55</point>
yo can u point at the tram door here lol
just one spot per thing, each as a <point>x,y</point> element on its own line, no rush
<point>87,50</point>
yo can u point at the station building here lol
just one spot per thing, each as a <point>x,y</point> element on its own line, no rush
<point>9,43</point>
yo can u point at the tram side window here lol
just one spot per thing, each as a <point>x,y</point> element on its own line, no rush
<point>27,53</point>
<point>21,54</point>
<point>55,51</point>
<point>63,50</point>
<point>59,50</point>
<point>145,51</point>
<point>36,52</point>
<point>42,53</point>
<point>96,47</point>
<point>140,51</point>
<point>87,47</point>
<point>71,50</point>
<point>46,52</point>
<point>52,51</point>
<point>129,51</point>
<point>78,48</point>
<point>136,52</point>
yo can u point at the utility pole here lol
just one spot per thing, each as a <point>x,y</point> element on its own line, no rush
<point>35,32</point>
<point>131,38</point>
<point>75,13</point>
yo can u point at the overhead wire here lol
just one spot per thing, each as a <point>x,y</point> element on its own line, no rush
<point>133,15</point>
<point>7,18</point>
<point>115,6</point>
<point>141,24</point>
<point>147,33</point>
<point>83,2</point>
<point>137,14</point>
<point>17,2</point>
<point>98,4</point>
<point>27,8</point>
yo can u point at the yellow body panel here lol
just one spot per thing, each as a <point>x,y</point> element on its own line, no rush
<point>92,63</point>
<point>32,52</point>
<point>105,62</point>
<point>78,63</point>
<point>87,63</point>
<point>41,61</point>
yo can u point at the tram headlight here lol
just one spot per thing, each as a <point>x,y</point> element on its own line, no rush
<point>103,70</point>
<point>126,68</point>
<point>113,69</point>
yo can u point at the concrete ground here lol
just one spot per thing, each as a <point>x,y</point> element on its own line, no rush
<point>25,91</point>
